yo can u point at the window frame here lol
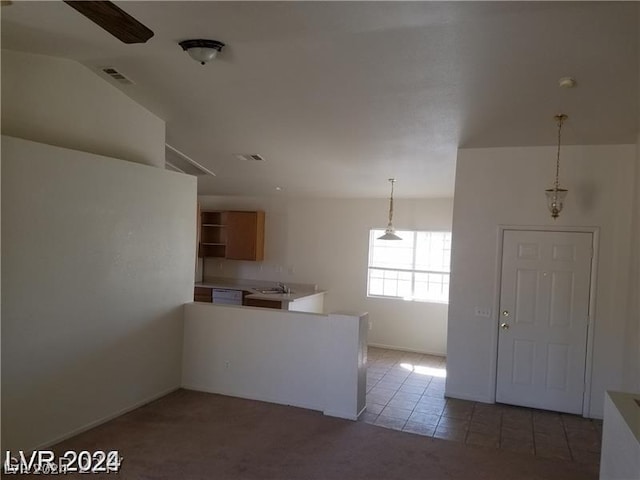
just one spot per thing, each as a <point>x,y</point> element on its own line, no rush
<point>413,271</point>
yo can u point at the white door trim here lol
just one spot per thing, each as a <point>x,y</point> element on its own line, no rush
<point>595,231</point>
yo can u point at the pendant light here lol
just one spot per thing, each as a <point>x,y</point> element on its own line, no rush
<point>390,232</point>
<point>556,195</point>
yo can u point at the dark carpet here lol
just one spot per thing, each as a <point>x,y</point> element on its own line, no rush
<point>192,435</point>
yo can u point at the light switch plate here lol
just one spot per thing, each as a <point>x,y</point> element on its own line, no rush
<point>483,312</point>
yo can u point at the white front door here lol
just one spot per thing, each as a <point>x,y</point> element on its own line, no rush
<point>543,319</point>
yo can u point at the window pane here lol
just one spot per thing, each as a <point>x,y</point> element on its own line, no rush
<point>390,283</point>
<point>404,285</point>
<point>414,268</point>
<point>432,286</point>
<point>375,286</point>
<point>433,251</point>
<point>391,253</point>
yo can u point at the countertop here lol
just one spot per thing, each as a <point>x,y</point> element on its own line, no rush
<point>629,408</point>
<point>298,290</point>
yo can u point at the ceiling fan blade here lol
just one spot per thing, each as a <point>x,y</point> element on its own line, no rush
<point>113,19</point>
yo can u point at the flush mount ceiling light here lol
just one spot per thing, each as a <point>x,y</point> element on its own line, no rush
<point>556,195</point>
<point>567,82</point>
<point>390,232</point>
<point>202,51</point>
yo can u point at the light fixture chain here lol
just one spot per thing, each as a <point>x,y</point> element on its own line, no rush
<point>561,117</point>
<point>391,202</point>
<point>389,233</point>
<point>556,195</point>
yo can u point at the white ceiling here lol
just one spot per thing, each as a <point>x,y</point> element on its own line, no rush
<point>340,96</point>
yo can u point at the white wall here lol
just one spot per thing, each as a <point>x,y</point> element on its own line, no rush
<point>632,336</point>
<point>620,457</point>
<point>97,261</point>
<point>326,242</point>
<point>506,186</point>
<point>635,285</point>
<point>61,102</point>
<point>292,358</point>
<point>632,380</point>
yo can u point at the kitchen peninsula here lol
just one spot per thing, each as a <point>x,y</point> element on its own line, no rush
<point>258,293</point>
<point>287,351</point>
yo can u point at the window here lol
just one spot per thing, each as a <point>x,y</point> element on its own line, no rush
<point>414,268</point>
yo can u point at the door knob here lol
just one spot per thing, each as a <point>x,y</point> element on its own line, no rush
<point>505,313</point>
<point>504,326</point>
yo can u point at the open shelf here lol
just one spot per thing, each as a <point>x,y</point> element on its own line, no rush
<point>212,250</point>
<point>236,235</point>
<point>213,235</point>
<point>213,218</point>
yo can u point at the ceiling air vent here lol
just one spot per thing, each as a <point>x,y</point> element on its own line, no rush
<point>249,157</point>
<point>177,161</point>
<point>116,75</point>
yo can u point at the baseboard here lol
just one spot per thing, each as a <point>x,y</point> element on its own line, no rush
<point>472,398</point>
<point>345,416</point>
<point>104,419</point>
<point>409,350</point>
<point>259,398</point>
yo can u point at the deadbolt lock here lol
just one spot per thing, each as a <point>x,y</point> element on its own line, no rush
<point>505,313</point>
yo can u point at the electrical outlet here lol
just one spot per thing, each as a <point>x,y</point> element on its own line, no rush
<point>227,364</point>
<point>483,312</point>
<point>370,324</point>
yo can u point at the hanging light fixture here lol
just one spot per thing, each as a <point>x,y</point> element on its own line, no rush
<point>556,195</point>
<point>202,51</point>
<point>390,232</point>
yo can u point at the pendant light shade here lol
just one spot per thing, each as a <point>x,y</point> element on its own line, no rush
<point>390,232</point>
<point>555,200</point>
<point>556,195</point>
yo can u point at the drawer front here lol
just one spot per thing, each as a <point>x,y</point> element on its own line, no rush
<point>202,294</point>
<point>258,302</point>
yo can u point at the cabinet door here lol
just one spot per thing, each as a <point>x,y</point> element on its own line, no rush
<point>245,235</point>
<point>202,294</point>
<point>258,302</point>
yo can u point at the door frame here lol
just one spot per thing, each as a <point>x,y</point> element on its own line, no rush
<point>595,231</point>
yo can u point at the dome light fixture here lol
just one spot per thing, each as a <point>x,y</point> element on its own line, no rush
<point>556,195</point>
<point>390,232</point>
<point>202,51</point>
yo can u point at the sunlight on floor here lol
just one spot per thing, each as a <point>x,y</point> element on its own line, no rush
<point>421,370</point>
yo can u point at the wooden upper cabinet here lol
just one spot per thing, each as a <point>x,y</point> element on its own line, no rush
<point>245,235</point>
<point>232,234</point>
<point>213,234</point>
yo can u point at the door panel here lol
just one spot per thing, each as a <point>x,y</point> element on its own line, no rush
<point>526,294</point>
<point>557,366</point>
<point>560,309</point>
<point>523,355</point>
<point>544,307</point>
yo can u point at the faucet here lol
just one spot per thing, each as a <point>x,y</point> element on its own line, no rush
<point>284,288</point>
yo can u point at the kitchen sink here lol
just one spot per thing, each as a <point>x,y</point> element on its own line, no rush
<point>271,290</point>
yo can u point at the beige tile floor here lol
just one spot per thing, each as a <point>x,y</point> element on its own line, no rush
<point>405,391</point>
